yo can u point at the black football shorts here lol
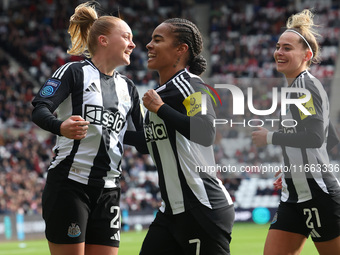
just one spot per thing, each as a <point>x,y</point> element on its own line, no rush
<point>319,218</point>
<point>198,231</point>
<point>76,213</point>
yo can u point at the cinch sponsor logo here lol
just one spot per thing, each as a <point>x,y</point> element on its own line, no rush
<point>309,106</point>
<point>154,132</point>
<point>197,102</point>
<point>96,115</point>
<point>193,103</point>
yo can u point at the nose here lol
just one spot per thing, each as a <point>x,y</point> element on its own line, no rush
<point>148,46</point>
<point>132,45</point>
<point>279,51</point>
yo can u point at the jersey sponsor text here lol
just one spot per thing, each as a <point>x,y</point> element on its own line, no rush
<point>96,115</point>
<point>154,132</point>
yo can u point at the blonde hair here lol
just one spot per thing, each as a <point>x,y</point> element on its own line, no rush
<point>85,28</point>
<point>303,23</point>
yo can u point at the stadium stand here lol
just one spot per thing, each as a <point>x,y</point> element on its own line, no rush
<point>240,38</point>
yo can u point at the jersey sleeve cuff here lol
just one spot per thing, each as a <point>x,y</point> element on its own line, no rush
<point>270,137</point>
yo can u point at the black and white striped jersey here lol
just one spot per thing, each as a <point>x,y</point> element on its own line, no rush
<point>307,168</point>
<point>178,158</point>
<point>111,105</point>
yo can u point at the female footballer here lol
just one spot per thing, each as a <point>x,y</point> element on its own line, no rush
<point>95,105</point>
<point>197,214</point>
<point>310,198</point>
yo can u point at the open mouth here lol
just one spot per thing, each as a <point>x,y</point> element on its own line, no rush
<point>151,55</point>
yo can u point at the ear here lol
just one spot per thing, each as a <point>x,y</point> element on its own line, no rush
<point>102,40</point>
<point>308,56</point>
<point>182,49</point>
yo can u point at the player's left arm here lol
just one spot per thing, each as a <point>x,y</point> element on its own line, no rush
<point>190,122</point>
<point>332,138</point>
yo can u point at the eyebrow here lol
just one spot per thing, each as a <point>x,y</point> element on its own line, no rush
<point>285,44</point>
<point>157,36</point>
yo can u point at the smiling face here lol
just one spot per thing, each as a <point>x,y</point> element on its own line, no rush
<point>120,44</point>
<point>164,52</point>
<point>290,55</point>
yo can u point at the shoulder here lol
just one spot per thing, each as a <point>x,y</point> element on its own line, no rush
<point>197,82</point>
<point>310,82</point>
<point>186,81</point>
<point>71,67</point>
<point>125,79</point>
<point>307,81</point>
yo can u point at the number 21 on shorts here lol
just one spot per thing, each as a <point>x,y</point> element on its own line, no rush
<point>312,217</point>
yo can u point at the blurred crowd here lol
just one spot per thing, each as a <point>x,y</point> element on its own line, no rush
<point>242,38</point>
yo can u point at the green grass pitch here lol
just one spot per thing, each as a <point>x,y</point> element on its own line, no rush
<point>248,239</point>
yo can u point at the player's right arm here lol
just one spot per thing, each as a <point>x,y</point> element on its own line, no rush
<point>50,96</point>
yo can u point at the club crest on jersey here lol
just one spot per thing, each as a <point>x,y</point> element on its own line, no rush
<point>74,230</point>
<point>193,103</point>
<point>309,106</point>
<point>49,88</point>
<point>274,219</point>
<point>154,132</point>
<point>96,115</point>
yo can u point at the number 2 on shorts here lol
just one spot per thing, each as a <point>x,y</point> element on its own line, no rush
<point>115,223</point>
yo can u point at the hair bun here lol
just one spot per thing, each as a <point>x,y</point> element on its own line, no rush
<point>198,65</point>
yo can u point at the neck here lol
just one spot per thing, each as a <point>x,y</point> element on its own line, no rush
<point>102,66</point>
<point>290,79</point>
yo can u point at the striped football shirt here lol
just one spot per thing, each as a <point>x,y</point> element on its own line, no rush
<point>111,105</point>
<point>178,158</point>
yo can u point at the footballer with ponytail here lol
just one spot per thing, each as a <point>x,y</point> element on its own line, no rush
<point>310,196</point>
<point>95,105</point>
<point>197,214</point>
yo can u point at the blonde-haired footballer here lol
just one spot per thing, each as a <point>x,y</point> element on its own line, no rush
<point>310,198</point>
<point>95,106</point>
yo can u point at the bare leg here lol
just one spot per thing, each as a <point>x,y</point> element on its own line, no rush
<point>66,249</point>
<point>93,249</point>
<point>329,247</point>
<point>280,242</point>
